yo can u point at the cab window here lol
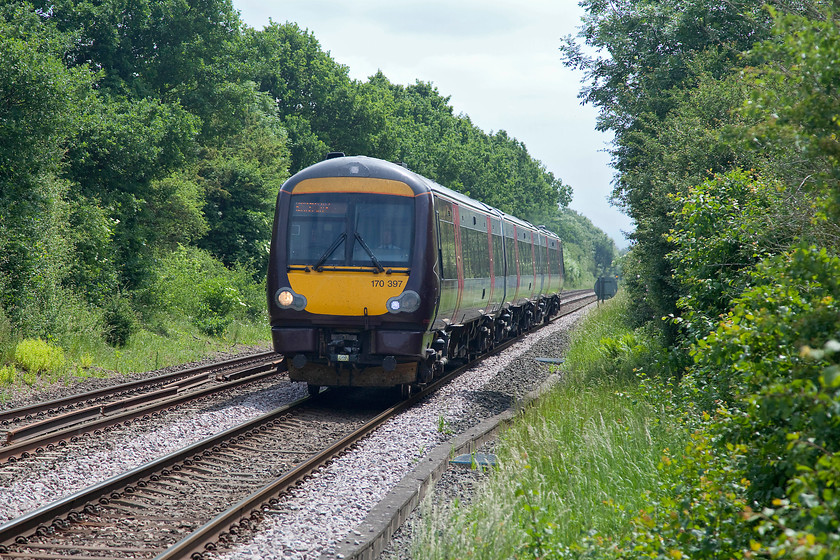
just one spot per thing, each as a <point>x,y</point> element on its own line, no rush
<point>347,229</point>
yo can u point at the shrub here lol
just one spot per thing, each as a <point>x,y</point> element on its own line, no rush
<point>190,281</point>
<point>759,478</point>
<point>119,322</point>
<point>219,297</point>
<point>7,375</point>
<point>724,227</point>
<point>36,356</point>
<point>217,303</point>
<point>778,346</point>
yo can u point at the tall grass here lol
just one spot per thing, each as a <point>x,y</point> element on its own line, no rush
<point>576,465</point>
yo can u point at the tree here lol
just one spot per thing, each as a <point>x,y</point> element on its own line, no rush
<point>241,180</point>
<point>123,149</point>
<point>667,89</point>
<point>175,51</point>
<point>795,103</point>
<point>41,103</point>
<point>604,254</point>
<point>321,108</point>
<point>726,226</point>
<point>451,150</point>
<point>588,251</point>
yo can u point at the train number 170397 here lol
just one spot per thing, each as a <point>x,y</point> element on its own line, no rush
<point>388,283</point>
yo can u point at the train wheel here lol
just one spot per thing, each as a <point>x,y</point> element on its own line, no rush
<point>313,389</point>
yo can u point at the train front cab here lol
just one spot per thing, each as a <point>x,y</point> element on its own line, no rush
<point>351,279</point>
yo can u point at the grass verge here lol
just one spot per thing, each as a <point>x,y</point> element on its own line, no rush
<point>576,466</point>
<point>86,354</point>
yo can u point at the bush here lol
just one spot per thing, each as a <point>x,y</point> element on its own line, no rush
<point>760,476</point>
<point>190,281</point>
<point>218,301</point>
<point>6,332</point>
<point>119,322</point>
<point>37,356</point>
<point>724,227</point>
<point>778,349</point>
<point>8,374</point>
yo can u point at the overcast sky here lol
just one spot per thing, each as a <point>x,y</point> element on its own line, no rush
<point>497,60</point>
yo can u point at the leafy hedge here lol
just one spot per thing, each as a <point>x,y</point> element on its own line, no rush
<point>759,478</point>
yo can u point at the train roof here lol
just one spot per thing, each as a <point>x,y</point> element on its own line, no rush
<point>339,165</point>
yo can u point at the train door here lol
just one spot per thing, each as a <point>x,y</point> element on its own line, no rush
<point>527,273</point>
<point>497,264</point>
<point>451,280</point>
<point>514,275</point>
<point>539,265</point>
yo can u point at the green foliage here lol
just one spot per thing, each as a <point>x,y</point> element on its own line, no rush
<point>119,322</point>
<point>729,256</point>
<point>8,375</point>
<point>191,282</point>
<point>128,149</point>
<point>669,90</point>
<point>651,47</point>
<point>164,49</point>
<point>319,106</point>
<point>725,226</point>
<point>759,475</point>
<point>574,277</point>
<point>241,180</point>
<point>588,251</point>
<point>774,377</point>
<point>795,100</point>
<point>449,149</point>
<point>217,300</point>
<point>697,512</point>
<point>33,78</point>
<point>93,271</point>
<point>41,99</point>
<point>36,356</point>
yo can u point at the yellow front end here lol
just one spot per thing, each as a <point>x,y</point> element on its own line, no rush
<point>348,292</point>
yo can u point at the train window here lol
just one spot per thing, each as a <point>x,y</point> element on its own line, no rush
<point>526,259</point>
<point>474,246</point>
<point>315,225</point>
<point>448,263</point>
<point>467,258</point>
<point>555,261</point>
<point>343,229</point>
<point>498,257</point>
<point>510,251</point>
<point>386,225</point>
<point>542,255</point>
<point>447,249</point>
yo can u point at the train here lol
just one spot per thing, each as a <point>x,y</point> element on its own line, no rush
<point>380,277</point>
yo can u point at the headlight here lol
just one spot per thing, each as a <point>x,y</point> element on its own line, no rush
<point>286,298</point>
<point>406,302</point>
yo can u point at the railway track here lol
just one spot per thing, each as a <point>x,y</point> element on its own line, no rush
<point>43,426</point>
<point>144,512</point>
<point>181,505</point>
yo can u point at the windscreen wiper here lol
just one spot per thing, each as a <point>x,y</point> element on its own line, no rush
<point>373,258</point>
<point>330,250</point>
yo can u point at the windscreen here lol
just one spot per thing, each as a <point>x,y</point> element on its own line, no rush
<point>350,229</point>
